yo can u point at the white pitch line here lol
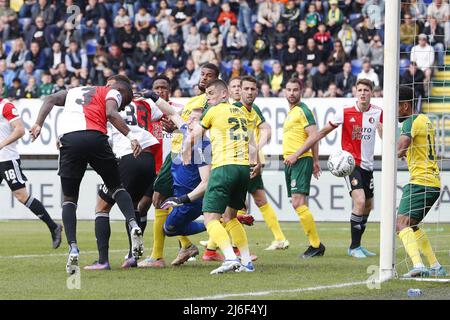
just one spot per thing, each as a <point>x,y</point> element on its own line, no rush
<point>264,293</point>
<point>427,279</point>
<point>51,255</point>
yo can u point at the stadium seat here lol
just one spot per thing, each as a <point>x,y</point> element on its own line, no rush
<point>354,16</point>
<point>356,66</point>
<point>404,64</point>
<point>226,66</point>
<point>247,67</point>
<point>8,46</point>
<point>161,66</point>
<point>91,47</point>
<point>268,65</point>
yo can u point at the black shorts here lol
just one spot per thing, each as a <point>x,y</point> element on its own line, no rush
<point>12,173</point>
<point>80,148</point>
<point>360,179</point>
<point>137,176</point>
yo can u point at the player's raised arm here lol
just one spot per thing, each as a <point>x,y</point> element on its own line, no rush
<point>17,133</point>
<point>165,107</point>
<point>56,99</point>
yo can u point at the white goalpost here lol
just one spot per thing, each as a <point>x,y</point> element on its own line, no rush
<point>389,159</point>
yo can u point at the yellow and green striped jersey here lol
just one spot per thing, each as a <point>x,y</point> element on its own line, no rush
<point>228,125</point>
<point>294,133</point>
<point>421,154</point>
<point>255,119</point>
<point>193,103</point>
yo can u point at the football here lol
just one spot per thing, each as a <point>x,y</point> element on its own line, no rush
<point>341,163</point>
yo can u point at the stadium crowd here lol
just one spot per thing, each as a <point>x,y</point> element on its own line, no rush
<point>46,46</point>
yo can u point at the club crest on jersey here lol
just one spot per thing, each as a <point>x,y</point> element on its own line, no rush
<point>15,112</point>
<point>371,120</point>
<point>293,183</point>
<point>354,182</point>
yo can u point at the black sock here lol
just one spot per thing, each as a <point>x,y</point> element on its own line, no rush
<point>127,227</point>
<point>125,204</point>
<point>143,224</point>
<point>38,209</point>
<point>363,224</point>
<point>356,230</point>
<point>69,217</point>
<point>102,233</point>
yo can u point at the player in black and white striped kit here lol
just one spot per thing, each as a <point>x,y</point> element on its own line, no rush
<point>11,130</point>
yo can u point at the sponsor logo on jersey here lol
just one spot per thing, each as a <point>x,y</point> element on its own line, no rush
<point>352,120</point>
<point>371,120</point>
<point>354,182</point>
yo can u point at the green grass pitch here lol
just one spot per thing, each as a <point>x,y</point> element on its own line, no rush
<point>30,269</point>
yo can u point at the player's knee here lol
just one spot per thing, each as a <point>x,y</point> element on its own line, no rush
<point>170,230</point>
<point>21,195</point>
<point>260,202</point>
<point>70,199</point>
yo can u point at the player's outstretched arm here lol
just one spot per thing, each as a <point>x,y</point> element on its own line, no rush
<point>17,133</point>
<point>165,107</point>
<point>56,99</point>
<point>402,145</point>
<point>116,120</point>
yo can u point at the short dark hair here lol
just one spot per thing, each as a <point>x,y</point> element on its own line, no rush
<point>161,77</point>
<point>120,78</point>
<point>297,81</point>
<point>211,66</point>
<point>365,82</point>
<point>405,93</point>
<point>217,83</point>
<point>249,79</point>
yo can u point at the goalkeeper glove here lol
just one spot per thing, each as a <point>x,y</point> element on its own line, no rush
<point>175,202</point>
<point>148,94</point>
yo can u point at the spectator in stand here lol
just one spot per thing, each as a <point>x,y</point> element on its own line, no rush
<point>311,56</point>
<point>189,78</point>
<point>302,34</point>
<point>8,75</point>
<point>203,54</point>
<point>334,17</point>
<point>174,36</point>
<point>332,91</point>
<point>4,31</point>
<point>277,79</point>
<point>121,18</point>
<point>46,86</point>
<point>181,18</point>
<point>374,10</point>
<point>31,91</point>
<point>260,43</point>
<point>345,81</point>
<point>291,15</point>
<point>348,37</point>
<point>76,59</point>
<point>192,40</point>
<point>236,70</point>
<point>60,85</point>
<point>337,58</point>
<point>94,11</point>
<point>3,90</point>
<point>156,41</point>
<point>84,77</point>
<point>27,72</point>
<point>418,12</point>
<point>103,33</point>
<point>368,73</point>
<point>414,76</point>
<point>423,55</point>
<point>440,10</point>
<point>279,36</point>
<point>170,73</point>
<point>16,91</point>
<point>9,18</point>
<point>245,17</point>
<point>313,18</point>
<point>376,56</point>
<point>365,35</point>
<point>163,15</point>
<point>115,58</point>
<point>408,31</point>
<point>377,92</point>
<point>268,13</point>
<point>258,72</point>
<point>142,57</point>
<point>321,79</point>
<point>323,40</point>
<point>214,40</point>
<point>226,18</point>
<point>68,34</point>
<point>290,57</point>
<point>207,16</point>
<point>38,32</point>
<point>74,82</point>
<point>128,38</point>
<point>44,9</point>
<point>436,38</point>
<point>56,57</point>
<point>16,57</point>
<point>265,91</point>
<point>37,56</point>
<point>142,22</point>
<point>236,42</point>
<point>308,92</point>
<point>176,58</point>
<point>148,79</point>
<point>63,73</point>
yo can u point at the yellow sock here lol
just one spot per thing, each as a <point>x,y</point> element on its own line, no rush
<point>425,246</point>
<point>158,233</point>
<point>185,242</point>
<point>239,238</point>
<point>271,219</point>
<point>410,243</point>
<point>211,245</point>
<point>309,226</point>
<point>219,235</point>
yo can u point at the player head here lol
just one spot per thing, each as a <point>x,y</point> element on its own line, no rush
<point>161,86</point>
<point>216,92</point>
<point>405,102</point>
<point>249,90</point>
<point>123,85</point>
<point>208,72</point>
<point>234,85</point>
<point>364,89</point>
<point>194,118</point>
<point>294,88</point>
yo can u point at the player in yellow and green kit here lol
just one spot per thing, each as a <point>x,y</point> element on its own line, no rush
<point>299,128</point>
<point>416,142</point>
<point>230,175</point>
